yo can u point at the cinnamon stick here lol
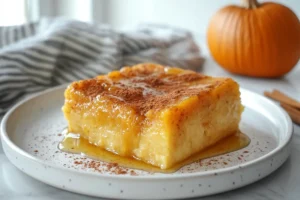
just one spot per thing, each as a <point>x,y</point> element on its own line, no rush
<point>283,98</point>
<point>293,112</point>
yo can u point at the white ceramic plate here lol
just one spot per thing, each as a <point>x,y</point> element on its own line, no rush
<point>30,135</point>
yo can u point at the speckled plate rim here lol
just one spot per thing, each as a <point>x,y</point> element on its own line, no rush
<point>287,123</point>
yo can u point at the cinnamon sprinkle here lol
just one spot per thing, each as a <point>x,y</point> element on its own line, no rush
<point>145,87</point>
<point>100,167</point>
<point>78,162</point>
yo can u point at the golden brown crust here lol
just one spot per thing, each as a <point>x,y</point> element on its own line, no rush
<point>147,86</point>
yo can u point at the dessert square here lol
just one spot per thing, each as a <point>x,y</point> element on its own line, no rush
<point>159,115</point>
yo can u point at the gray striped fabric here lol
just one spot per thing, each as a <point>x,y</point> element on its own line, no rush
<point>36,56</point>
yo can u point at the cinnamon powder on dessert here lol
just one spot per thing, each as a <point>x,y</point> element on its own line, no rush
<point>144,90</point>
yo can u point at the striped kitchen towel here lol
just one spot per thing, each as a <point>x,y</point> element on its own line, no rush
<point>36,56</point>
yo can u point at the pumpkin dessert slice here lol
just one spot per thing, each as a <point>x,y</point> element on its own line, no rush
<point>160,115</point>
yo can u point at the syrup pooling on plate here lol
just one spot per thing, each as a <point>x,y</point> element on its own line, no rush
<point>73,143</point>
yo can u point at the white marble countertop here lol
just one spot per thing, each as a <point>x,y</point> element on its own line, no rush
<point>282,184</point>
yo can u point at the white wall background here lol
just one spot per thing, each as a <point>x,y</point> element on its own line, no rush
<point>122,14</point>
<point>6,16</point>
<point>191,14</point>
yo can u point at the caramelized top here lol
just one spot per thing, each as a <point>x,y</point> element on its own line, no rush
<point>147,86</point>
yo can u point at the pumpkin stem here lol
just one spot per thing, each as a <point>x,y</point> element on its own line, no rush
<point>250,4</point>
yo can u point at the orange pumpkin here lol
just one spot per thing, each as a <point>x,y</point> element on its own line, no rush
<point>261,40</point>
